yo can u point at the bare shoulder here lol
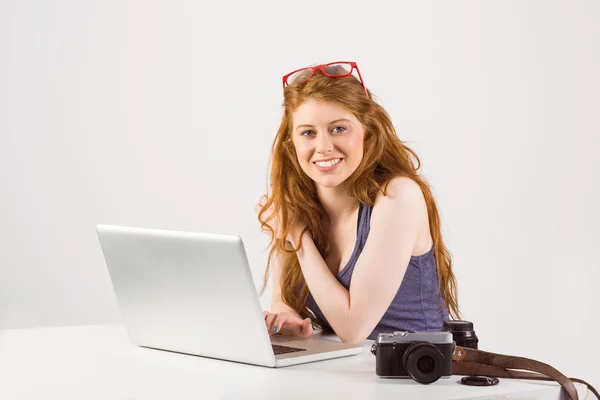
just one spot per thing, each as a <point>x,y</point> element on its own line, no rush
<point>403,202</point>
<point>403,192</point>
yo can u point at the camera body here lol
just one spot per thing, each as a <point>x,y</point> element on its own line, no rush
<point>422,356</point>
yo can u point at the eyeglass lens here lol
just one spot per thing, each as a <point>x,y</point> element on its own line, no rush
<point>332,70</point>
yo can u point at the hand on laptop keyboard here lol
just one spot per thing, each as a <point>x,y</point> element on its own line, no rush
<point>287,324</point>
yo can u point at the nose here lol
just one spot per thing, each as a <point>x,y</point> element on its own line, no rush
<point>324,144</point>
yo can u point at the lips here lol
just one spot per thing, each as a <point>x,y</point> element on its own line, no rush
<point>328,165</point>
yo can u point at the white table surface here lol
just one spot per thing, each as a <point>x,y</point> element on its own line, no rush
<point>99,362</point>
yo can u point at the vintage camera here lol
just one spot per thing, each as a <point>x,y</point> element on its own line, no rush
<point>422,356</point>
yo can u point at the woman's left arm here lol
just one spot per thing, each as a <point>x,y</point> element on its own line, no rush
<point>396,222</point>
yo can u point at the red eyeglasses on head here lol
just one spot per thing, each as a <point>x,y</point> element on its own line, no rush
<point>338,69</point>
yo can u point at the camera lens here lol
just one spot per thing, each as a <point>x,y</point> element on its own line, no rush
<point>426,365</point>
<point>423,362</point>
<point>462,333</point>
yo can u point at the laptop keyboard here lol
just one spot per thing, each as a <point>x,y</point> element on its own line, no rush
<point>279,349</point>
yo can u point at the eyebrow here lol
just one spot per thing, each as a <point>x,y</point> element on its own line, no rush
<point>332,122</point>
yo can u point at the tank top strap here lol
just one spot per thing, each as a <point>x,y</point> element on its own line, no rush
<point>364,224</point>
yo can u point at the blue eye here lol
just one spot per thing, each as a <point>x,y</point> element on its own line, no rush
<point>311,133</point>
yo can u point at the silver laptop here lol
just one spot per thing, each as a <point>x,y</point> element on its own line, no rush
<point>194,293</point>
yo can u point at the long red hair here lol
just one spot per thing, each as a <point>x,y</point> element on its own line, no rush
<point>294,194</point>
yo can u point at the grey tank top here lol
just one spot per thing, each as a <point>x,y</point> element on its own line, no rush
<point>416,306</point>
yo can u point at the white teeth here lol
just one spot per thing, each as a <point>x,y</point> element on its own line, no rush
<point>329,163</point>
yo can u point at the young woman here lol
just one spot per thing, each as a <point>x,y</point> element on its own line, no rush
<point>355,233</point>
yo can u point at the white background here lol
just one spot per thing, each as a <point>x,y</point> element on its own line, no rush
<point>162,114</point>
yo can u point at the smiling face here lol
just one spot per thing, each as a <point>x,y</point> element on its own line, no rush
<point>328,141</point>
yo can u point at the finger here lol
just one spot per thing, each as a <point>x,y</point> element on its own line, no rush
<point>307,328</point>
<point>263,200</point>
<point>266,314</point>
<point>269,319</point>
<point>281,319</point>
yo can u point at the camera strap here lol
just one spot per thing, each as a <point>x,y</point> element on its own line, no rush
<point>468,361</point>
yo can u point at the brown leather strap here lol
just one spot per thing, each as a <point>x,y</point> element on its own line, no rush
<point>590,387</point>
<point>467,361</point>
<point>467,368</point>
